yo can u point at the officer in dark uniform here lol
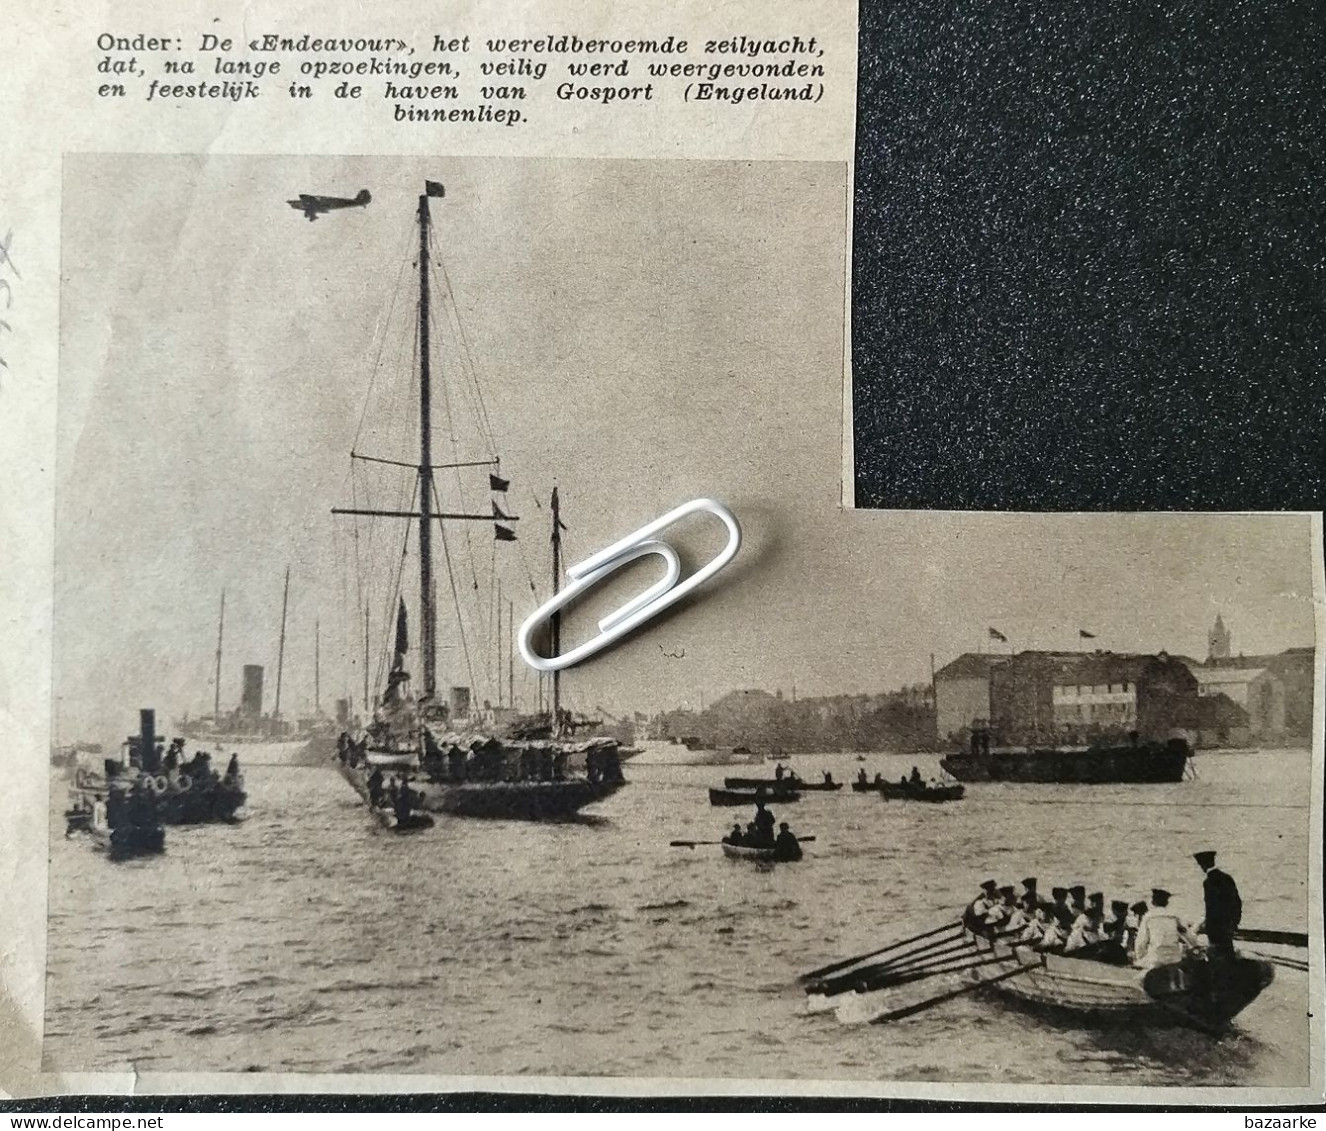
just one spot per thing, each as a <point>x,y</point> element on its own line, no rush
<point>1224,907</point>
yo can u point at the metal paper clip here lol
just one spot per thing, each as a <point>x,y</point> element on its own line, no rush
<point>641,608</point>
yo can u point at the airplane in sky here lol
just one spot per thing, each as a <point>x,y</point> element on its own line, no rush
<point>313,206</point>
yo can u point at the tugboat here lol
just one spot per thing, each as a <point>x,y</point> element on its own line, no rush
<point>458,761</point>
<point>149,787</point>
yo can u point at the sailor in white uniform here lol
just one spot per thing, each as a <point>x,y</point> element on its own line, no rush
<point>1162,938</point>
<point>1086,927</point>
<point>1034,932</point>
<point>981,906</point>
<point>1012,917</point>
<point>1136,913</point>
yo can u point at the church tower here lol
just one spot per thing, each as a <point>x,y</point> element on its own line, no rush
<point>1217,641</point>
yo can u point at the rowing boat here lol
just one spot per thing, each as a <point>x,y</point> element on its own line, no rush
<point>782,784</point>
<point>1203,993</point>
<point>749,797</point>
<point>749,852</point>
<point>868,786</point>
<point>415,822</point>
<point>896,791</point>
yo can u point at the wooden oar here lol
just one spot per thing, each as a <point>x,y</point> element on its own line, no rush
<point>840,983</point>
<point>950,965</point>
<point>912,1010</point>
<point>969,945</point>
<point>915,958</point>
<point>858,1007</point>
<point>694,843</point>
<point>937,965</point>
<point>834,967</point>
<point>853,978</point>
<point>1275,959</point>
<point>1285,938</point>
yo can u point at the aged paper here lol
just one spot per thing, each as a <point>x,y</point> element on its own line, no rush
<point>223,284</point>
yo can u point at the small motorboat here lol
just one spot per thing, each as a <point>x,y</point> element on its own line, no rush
<point>750,796</point>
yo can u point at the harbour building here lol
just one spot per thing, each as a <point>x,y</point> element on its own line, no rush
<point>1076,698</point>
<point>1037,698</point>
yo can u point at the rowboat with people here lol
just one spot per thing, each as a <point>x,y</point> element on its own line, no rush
<point>906,791</point>
<point>749,796</point>
<point>1203,988</point>
<point>791,783</point>
<point>1201,992</point>
<point>761,854</point>
<point>785,848</point>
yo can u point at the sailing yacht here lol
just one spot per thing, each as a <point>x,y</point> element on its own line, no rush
<point>447,754</point>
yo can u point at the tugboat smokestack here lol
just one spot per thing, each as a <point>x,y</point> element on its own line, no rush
<point>147,740</point>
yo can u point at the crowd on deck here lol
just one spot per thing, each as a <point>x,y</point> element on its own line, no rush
<point>492,760</point>
<point>1074,923</point>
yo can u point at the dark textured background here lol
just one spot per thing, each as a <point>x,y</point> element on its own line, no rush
<point>1088,269</point>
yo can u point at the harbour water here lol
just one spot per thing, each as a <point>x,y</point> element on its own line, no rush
<point>307,939</point>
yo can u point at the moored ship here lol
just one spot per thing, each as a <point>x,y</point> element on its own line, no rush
<point>267,739</point>
<point>1131,761</point>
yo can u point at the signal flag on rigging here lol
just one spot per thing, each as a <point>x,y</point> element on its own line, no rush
<point>496,484</point>
<point>434,188</point>
<point>502,534</point>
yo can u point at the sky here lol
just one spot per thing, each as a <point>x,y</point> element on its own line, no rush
<point>642,333</point>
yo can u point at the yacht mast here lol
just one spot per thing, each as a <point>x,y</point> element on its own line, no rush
<point>555,622</point>
<point>426,493</point>
<point>427,594</point>
<point>280,651</point>
<point>220,629</point>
